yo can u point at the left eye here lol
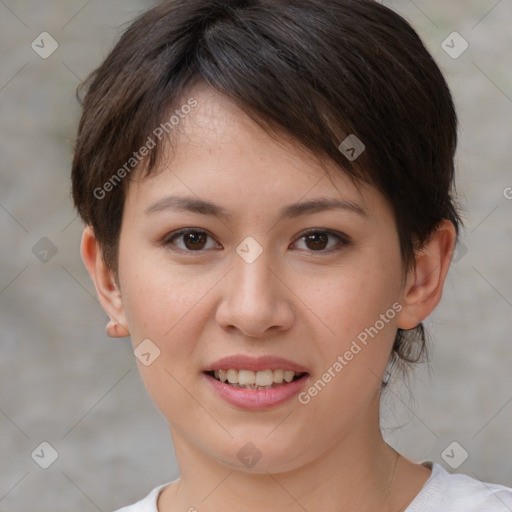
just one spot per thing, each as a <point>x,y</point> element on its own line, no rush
<point>317,241</point>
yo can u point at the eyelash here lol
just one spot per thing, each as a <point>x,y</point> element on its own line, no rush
<point>344,241</point>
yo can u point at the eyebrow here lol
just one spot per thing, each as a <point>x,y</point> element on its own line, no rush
<point>203,207</point>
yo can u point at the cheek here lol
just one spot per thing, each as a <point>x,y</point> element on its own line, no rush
<point>354,358</point>
<point>353,298</point>
<point>157,295</point>
<point>358,307</point>
<point>165,305</point>
<point>171,305</point>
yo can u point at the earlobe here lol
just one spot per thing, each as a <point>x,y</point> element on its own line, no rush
<point>107,290</point>
<point>116,330</point>
<point>424,285</point>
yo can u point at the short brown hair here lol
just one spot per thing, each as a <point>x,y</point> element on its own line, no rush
<point>314,70</point>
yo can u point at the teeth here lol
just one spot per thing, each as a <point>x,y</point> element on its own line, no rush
<point>233,376</point>
<point>264,378</point>
<point>251,379</point>
<point>288,375</point>
<point>278,376</point>
<point>246,377</point>
<point>221,375</point>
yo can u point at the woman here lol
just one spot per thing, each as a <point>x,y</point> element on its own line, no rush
<point>267,188</point>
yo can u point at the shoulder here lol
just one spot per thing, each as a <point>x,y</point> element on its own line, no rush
<point>455,492</point>
<point>146,504</point>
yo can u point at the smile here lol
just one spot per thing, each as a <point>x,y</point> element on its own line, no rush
<point>252,396</point>
<point>249,379</point>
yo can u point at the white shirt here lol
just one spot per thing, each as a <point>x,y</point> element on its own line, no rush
<point>442,492</point>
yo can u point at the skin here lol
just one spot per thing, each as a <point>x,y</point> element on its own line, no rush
<point>297,300</point>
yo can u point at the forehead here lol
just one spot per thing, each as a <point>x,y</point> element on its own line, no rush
<point>218,129</point>
<point>218,151</point>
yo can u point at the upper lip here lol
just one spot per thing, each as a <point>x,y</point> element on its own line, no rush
<point>243,362</point>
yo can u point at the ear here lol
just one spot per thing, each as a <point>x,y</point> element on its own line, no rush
<point>424,284</point>
<point>104,281</point>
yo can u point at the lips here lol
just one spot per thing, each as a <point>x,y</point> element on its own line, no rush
<point>259,398</point>
<point>256,364</point>
<point>255,382</point>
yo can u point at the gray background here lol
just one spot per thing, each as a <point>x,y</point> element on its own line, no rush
<point>65,382</point>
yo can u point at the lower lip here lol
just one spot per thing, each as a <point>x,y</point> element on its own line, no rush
<point>254,399</point>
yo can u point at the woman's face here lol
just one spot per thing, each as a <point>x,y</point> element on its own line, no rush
<point>257,274</point>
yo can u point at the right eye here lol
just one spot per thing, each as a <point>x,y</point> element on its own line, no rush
<point>193,240</point>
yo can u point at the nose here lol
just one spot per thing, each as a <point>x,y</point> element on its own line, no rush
<point>256,300</point>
